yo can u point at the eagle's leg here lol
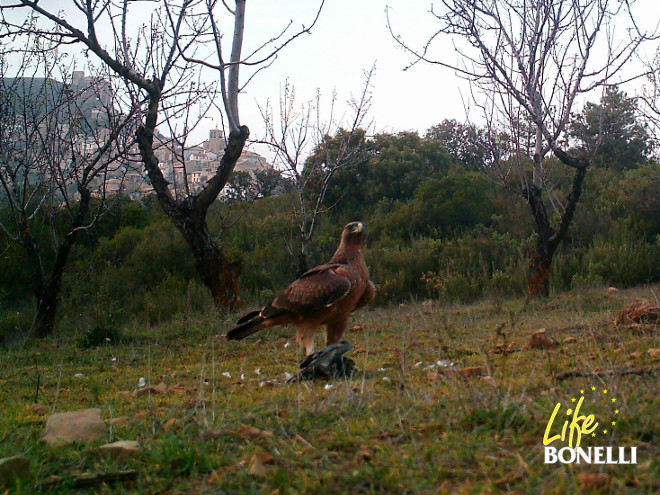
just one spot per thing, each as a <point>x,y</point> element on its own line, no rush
<point>306,339</point>
<point>334,331</point>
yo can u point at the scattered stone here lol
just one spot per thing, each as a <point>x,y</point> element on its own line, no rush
<point>171,424</point>
<point>540,340</point>
<point>85,425</point>
<point>121,450</point>
<point>11,468</point>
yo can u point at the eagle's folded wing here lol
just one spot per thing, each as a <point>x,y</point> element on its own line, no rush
<point>315,290</point>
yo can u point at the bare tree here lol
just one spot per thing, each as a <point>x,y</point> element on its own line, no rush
<point>163,62</point>
<point>650,98</point>
<point>528,63</point>
<point>299,135</point>
<point>62,141</point>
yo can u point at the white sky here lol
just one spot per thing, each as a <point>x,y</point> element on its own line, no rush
<point>349,37</point>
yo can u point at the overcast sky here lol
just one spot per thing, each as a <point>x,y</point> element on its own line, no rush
<point>348,39</point>
<point>350,36</point>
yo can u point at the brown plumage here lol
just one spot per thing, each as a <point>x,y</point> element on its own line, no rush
<point>324,295</point>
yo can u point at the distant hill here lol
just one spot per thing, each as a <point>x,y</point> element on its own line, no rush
<point>36,97</point>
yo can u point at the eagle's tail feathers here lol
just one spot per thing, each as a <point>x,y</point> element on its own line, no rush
<point>246,326</point>
<point>247,317</point>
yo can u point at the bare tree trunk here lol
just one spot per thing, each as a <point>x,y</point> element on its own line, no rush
<point>48,290</point>
<point>303,264</point>
<point>547,238</point>
<point>189,216</point>
<point>538,277</point>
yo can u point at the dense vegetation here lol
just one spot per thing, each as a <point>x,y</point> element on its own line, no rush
<point>439,227</point>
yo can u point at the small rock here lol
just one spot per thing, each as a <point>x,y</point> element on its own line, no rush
<point>540,340</point>
<point>11,468</point>
<point>123,449</point>
<point>85,425</point>
<point>79,375</point>
<point>142,382</point>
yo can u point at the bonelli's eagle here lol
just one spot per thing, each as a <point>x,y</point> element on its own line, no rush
<point>324,295</point>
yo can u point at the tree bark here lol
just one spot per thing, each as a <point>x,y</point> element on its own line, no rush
<point>548,238</point>
<point>303,266</point>
<point>47,291</point>
<point>538,278</point>
<point>217,273</point>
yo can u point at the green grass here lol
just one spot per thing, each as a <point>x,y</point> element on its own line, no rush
<point>394,427</point>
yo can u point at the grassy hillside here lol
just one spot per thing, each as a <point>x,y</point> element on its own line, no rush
<point>407,422</point>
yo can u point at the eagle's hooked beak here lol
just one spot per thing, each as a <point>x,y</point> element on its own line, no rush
<point>357,227</point>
